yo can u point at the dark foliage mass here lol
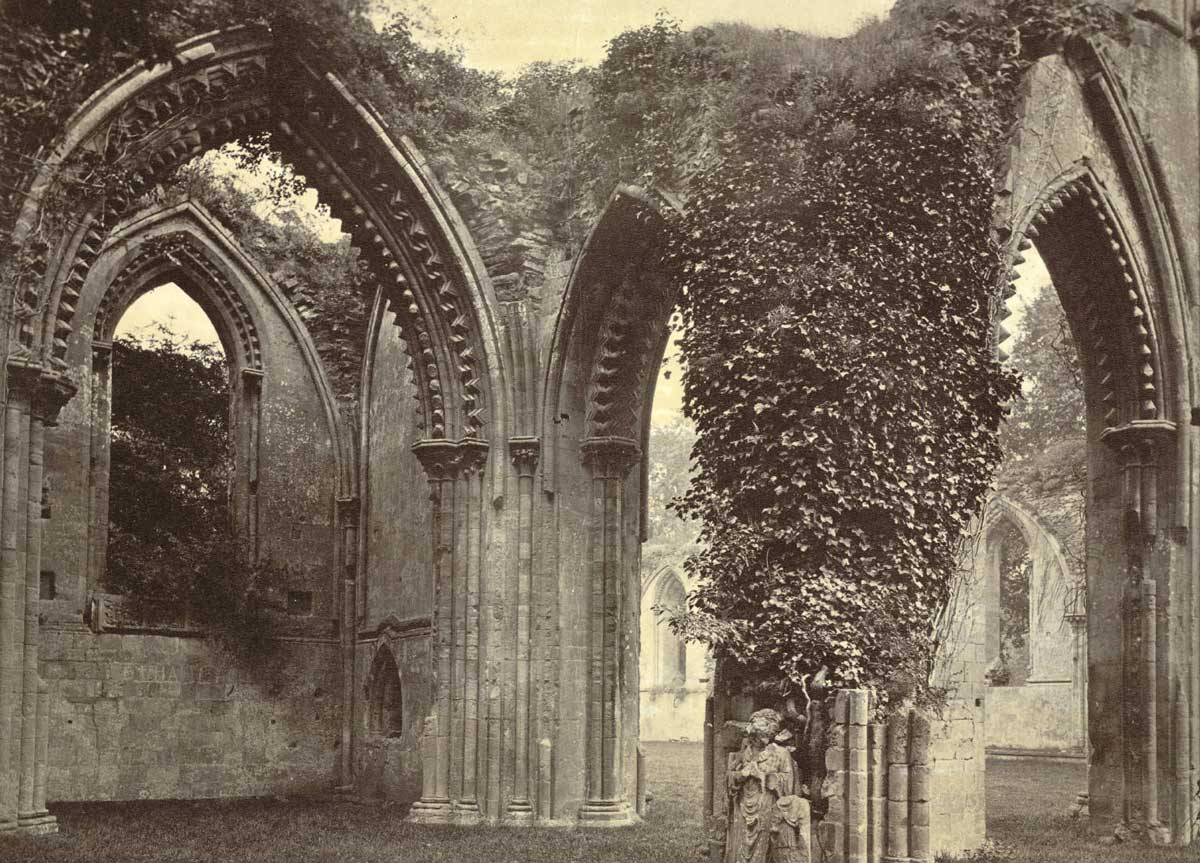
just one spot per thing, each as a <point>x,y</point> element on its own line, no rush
<point>838,269</point>
<point>170,464</point>
<point>171,542</point>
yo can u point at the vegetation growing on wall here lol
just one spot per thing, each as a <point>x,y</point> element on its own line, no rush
<point>838,267</point>
<point>836,261</point>
<point>1051,407</point>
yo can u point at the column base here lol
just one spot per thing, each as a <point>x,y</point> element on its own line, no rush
<point>466,812</point>
<point>442,811</point>
<point>519,812</point>
<point>37,825</point>
<point>607,813</point>
<point>433,810</point>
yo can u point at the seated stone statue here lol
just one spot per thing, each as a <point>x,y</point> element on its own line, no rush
<point>768,821</point>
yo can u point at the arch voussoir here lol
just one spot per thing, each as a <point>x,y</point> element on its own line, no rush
<point>239,85</point>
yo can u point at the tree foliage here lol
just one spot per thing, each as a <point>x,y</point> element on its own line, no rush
<point>1050,407</point>
<point>671,537</point>
<point>171,538</point>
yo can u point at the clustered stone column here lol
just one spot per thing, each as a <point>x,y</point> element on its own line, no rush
<point>451,744</point>
<point>879,783</point>
<point>608,460</point>
<point>524,452</point>
<point>1138,444</point>
<point>33,400</point>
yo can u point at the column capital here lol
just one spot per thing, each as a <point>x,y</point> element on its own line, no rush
<point>472,455</point>
<point>447,459</point>
<point>24,374</point>
<point>54,391</point>
<point>1139,437</point>
<point>46,390</point>
<point>524,452</point>
<point>610,457</point>
<point>438,456</point>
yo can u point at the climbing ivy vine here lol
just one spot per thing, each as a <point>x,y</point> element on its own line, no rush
<point>838,266</point>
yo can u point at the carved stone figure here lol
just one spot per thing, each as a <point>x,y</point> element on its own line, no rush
<point>768,821</point>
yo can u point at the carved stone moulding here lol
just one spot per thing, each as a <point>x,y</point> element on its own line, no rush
<point>524,452</point>
<point>448,459</point>
<point>236,84</point>
<point>610,457</point>
<point>1070,220</point>
<point>181,250</point>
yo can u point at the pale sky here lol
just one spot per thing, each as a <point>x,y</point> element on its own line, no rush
<point>170,306</point>
<point>502,35</point>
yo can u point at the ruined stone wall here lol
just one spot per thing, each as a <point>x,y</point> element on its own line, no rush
<point>147,716</point>
<point>672,705</point>
<point>1048,711</point>
<point>908,789</point>
<point>142,714</point>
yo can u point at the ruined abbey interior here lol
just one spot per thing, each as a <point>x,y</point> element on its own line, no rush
<point>461,524</point>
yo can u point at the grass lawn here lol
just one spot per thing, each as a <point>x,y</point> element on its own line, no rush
<point>299,831</point>
<point>1027,805</point>
<point>1027,817</point>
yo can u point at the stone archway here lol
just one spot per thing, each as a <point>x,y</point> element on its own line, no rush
<point>288,469</point>
<point>1086,186</point>
<point>227,85</point>
<point>674,673</point>
<point>521,604</point>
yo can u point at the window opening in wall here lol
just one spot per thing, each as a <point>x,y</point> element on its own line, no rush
<point>299,602</point>
<point>672,649</point>
<point>1044,469</point>
<point>1016,567</point>
<point>170,464</point>
<point>47,588</point>
<point>385,715</point>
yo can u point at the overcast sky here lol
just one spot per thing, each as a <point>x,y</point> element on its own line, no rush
<point>503,35</point>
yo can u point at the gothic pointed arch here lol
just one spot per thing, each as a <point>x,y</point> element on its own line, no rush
<point>1001,508</point>
<point>663,593</point>
<point>385,694</point>
<point>186,244</point>
<point>1105,292</point>
<point>1086,186</point>
<point>232,83</point>
<point>610,328</point>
